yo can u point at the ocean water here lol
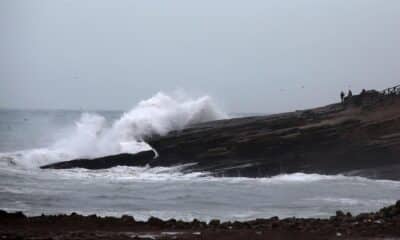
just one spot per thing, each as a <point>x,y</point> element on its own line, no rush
<point>29,139</point>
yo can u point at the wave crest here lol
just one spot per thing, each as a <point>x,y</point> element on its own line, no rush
<point>94,137</point>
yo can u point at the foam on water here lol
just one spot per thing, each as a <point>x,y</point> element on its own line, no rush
<point>176,173</point>
<point>169,192</point>
<point>94,137</point>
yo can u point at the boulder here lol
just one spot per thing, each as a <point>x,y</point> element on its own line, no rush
<point>125,159</point>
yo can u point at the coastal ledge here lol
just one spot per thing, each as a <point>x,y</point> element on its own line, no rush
<point>384,224</point>
<point>360,137</point>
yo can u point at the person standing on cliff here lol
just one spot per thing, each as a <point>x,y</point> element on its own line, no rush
<point>342,96</point>
<point>350,94</point>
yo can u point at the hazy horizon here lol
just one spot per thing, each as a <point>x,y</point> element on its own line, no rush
<point>261,57</point>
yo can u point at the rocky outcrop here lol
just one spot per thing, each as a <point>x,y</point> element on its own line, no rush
<point>384,224</point>
<point>359,137</point>
<point>124,159</point>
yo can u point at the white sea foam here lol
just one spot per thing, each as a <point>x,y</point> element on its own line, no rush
<point>177,173</point>
<point>144,192</point>
<point>127,174</point>
<point>345,201</point>
<point>94,137</point>
<point>303,177</point>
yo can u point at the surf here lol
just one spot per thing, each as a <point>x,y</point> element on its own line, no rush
<point>93,136</point>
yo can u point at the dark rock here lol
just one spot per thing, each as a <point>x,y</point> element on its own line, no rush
<point>124,159</point>
<point>360,137</point>
<point>197,224</point>
<point>340,214</point>
<point>128,219</point>
<point>226,225</point>
<point>155,222</point>
<point>214,223</point>
<point>335,139</point>
<point>181,224</point>
<point>274,218</point>
<point>4,216</point>
<point>19,215</point>
<point>171,223</point>
<point>237,225</point>
<point>74,226</point>
<point>391,211</point>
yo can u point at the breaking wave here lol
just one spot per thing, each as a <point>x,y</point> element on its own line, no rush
<point>93,136</point>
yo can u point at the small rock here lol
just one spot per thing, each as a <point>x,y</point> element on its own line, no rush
<point>340,214</point>
<point>155,221</point>
<point>274,218</point>
<point>127,218</point>
<point>215,222</point>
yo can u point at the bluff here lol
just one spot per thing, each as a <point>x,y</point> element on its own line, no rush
<point>360,136</point>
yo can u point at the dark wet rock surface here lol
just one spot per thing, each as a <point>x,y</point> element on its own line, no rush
<point>123,159</point>
<point>360,137</point>
<point>384,224</point>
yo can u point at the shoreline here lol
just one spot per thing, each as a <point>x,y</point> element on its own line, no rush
<point>382,224</point>
<point>359,137</point>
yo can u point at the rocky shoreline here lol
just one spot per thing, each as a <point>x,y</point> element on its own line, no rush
<point>358,137</point>
<point>384,224</point>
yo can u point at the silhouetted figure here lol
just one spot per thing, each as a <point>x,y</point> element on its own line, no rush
<point>342,96</point>
<point>350,94</point>
<point>392,91</point>
<point>363,92</point>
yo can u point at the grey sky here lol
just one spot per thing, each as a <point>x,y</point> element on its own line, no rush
<point>251,56</point>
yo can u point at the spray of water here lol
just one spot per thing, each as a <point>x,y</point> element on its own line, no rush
<point>94,137</point>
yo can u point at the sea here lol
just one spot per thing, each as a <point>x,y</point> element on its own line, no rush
<point>33,138</point>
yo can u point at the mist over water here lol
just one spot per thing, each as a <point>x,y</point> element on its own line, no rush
<point>31,139</point>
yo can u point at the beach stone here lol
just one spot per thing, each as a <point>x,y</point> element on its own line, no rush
<point>214,223</point>
<point>128,219</point>
<point>155,221</point>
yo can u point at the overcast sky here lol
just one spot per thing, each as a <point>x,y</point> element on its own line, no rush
<point>251,56</point>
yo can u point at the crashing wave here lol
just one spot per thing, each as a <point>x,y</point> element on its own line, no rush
<point>93,137</point>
